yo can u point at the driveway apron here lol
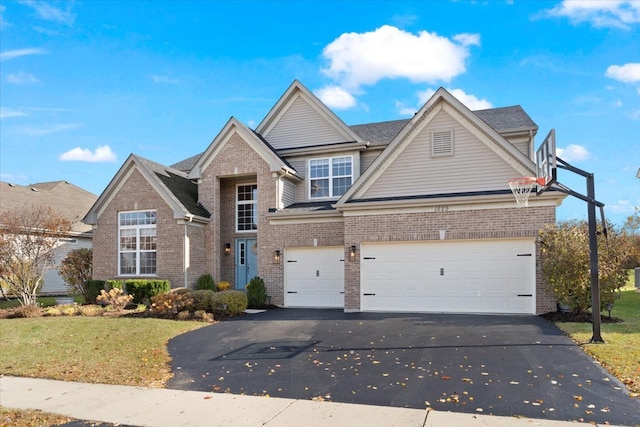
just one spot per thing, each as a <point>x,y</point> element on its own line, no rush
<point>500,365</point>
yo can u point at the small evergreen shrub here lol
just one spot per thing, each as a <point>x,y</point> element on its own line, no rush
<point>256,293</point>
<point>143,290</point>
<point>223,286</point>
<point>114,283</point>
<point>205,282</point>
<point>229,303</point>
<point>93,288</point>
<point>203,299</point>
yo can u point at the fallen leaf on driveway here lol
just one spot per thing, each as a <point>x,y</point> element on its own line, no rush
<point>207,397</point>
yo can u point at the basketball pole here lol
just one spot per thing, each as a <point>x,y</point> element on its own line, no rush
<point>593,241</point>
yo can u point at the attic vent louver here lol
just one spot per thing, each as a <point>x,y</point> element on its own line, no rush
<point>442,143</point>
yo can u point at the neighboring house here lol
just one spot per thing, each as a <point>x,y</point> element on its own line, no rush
<point>71,202</point>
<point>408,215</point>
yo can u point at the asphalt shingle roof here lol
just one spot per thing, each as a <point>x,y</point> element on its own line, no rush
<point>70,201</point>
<point>506,118</point>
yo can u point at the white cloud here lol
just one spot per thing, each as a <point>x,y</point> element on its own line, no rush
<point>335,97</point>
<point>357,59</point>
<point>5,113</point>
<point>599,13</point>
<point>163,79</point>
<point>22,78</point>
<point>49,12</point>
<point>471,101</point>
<point>573,153</point>
<point>101,154</point>
<point>627,73</point>
<point>11,54</point>
<point>48,130</point>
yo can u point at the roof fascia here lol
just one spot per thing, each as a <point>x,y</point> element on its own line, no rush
<point>298,89</point>
<point>331,148</point>
<point>234,125</point>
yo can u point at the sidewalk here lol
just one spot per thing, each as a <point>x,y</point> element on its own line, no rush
<point>139,406</point>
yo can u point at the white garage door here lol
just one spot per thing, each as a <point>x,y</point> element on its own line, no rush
<point>488,276</point>
<point>314,277</point>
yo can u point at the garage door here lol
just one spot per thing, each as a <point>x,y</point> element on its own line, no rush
<point>489,276</point>
<point>314,277</point>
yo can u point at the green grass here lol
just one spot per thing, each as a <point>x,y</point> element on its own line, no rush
<point>42,301</point>
<point>128,351</point>
<point>620,354</point>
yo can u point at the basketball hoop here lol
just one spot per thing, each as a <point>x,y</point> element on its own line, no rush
<point>521,188</point>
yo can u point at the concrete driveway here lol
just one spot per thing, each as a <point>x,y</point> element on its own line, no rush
<point>501,365</point>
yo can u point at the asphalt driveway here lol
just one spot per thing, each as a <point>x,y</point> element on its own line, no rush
<point>501,365</point>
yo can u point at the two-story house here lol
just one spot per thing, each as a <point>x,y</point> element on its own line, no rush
<point>407,215</point>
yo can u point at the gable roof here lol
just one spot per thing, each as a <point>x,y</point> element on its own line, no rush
<point>255,140</point>
<point>172,185</point>
<point>70,201</point>
<point>296,90</point>
<point>507,118</point>
<point>441,99</point>
<point>187,164</point>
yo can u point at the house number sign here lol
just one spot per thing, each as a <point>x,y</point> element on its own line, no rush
<point>441,208</point>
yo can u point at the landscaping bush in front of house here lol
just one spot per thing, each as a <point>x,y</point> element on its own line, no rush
<point>229,303</point>
<point>93,288</point>
<point>205,282</point>
<point>256,293</point>
<point>202,300</point>
<point>143,290</point>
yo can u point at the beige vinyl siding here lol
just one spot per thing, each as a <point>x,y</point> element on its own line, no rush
<point>521,143</point>
<point>367,157</point>
<point>472,167</point>
<point>302,126</point>
<point>287,192</point>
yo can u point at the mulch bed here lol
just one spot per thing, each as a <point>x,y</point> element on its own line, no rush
<point>558,316</point>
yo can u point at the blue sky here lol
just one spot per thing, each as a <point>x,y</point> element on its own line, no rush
<point>85,83</point>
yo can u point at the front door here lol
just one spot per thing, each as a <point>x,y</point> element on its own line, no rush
<point>246,261</point>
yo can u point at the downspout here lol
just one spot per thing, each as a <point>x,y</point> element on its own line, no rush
<point>186,261</point>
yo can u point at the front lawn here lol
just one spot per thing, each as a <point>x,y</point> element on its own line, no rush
<point>127,351</point>
<point>620,354</point>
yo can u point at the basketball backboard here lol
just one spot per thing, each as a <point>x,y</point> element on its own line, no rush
<point>546,162</point>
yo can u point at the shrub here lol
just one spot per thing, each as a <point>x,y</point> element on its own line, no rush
<point>205,282</point>
<point>203,315</point>
<point>114,298</point>
<point>91,310</point>
<point>183,315</point>
<point>143,290</point>
<point>93,288</point>
<point>113,283</point>
<point>171,303</point>
<point>229,303</point>
<point>223,286</point>
<point>23,311</point>
<point>180,290</point>
<point>256,293</point>
<point>76,268</point>
<point>203,299</point>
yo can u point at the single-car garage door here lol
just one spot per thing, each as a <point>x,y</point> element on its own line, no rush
<point>314,277</point>
<point>485,276</point>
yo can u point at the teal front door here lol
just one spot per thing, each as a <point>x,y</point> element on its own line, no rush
<point>246,261</point>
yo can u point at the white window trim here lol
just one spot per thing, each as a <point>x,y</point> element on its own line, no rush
<point>254,202</point>
<point>330,177</point>
<point>448,153</point>
<point>137,227</point>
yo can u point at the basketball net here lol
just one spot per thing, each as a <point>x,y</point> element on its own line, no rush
<point>521,188</point>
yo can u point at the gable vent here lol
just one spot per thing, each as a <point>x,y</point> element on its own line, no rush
<point>442,143</point>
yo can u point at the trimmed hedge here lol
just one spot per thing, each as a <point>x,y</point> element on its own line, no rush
<point>229,303</point>
<point>142,290</point>
<point>202,300</point>
<point>93,288</point>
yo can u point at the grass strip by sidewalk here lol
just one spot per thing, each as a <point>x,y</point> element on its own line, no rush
<point>620,354</point>
<point>127,351</point>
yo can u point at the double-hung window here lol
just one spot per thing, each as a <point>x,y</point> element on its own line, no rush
<point>137,243</point>
<point>247,208</point>
<point>330,177</point>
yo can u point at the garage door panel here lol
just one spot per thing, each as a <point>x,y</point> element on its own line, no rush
<point>314,277</point>
<point>477,276</point>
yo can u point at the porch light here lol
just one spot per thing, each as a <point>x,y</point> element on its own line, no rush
<point>276,256</point>
<point>227,248</point>
<point>352,252</point>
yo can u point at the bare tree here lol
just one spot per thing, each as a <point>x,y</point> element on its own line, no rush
<point>28,240</point>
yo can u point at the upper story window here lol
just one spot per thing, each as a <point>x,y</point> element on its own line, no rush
<point>137,243</point>
<point>247,207</point>
<point>330,177</point>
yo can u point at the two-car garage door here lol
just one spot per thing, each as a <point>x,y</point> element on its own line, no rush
<point>492,276</point>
